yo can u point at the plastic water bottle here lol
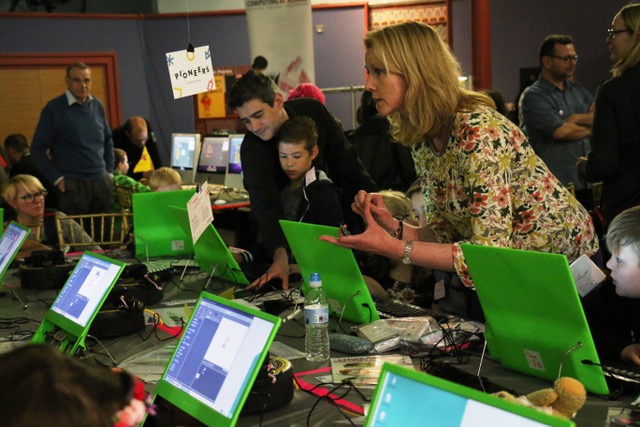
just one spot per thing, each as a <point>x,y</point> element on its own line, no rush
<point>316,319</point>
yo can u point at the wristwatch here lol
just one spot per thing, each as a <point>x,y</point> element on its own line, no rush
<point>406,256</point>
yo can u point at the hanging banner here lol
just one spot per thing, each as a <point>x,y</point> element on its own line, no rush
<point>190,72</point>
<point>282,32</point>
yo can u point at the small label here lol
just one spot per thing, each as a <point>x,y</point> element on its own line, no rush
<point>439,291</point>
<point>534,360</point>
<point>310,176</point>
<point>316,314</point>
<point>177,245</point>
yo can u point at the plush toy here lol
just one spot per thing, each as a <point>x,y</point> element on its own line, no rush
<point>565,398</point>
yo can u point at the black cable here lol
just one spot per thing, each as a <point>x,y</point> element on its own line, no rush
<point>331,400</point>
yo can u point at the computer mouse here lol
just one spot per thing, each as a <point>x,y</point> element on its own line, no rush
<point>219,202</point>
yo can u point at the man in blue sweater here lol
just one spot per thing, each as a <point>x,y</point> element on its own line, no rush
<point>72,146</point>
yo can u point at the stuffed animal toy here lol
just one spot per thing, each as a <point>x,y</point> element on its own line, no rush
<point>564,400</point>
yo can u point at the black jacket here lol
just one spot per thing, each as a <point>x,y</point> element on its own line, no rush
<point>614,320</point>
<point>615,143</point>
<point>389,163</point>
<point>320,203</point>
<point>264,178</point>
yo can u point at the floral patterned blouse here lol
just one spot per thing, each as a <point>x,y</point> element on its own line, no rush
<point>488,187</point>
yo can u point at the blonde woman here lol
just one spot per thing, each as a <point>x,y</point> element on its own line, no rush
<point>25,194</point>
<point>481,180</point>
<point>615,140</point>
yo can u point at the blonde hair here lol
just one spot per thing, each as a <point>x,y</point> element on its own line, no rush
<point>630,15</point>
<point>624,230</point>
<point>29,183</point>
<point>399,205</point>
<point>164,178</point>
<point>416,52</point>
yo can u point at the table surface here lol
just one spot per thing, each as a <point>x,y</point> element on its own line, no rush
<point>291,333</point>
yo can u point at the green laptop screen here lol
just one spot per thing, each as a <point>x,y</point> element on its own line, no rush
<point>406,397</point>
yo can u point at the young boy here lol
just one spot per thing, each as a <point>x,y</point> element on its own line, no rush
<point>165,179</point>
<point>614,313</point>
<point>120,178</point>
<point>310,196</point>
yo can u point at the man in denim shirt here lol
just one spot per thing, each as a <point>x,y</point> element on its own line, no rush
<point>556,114</point>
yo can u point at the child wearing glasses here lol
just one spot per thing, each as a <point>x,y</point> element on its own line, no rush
<point>25,194</point>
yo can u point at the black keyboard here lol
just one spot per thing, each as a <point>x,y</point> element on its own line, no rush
<point>393,308</point>
<point>622,377</point>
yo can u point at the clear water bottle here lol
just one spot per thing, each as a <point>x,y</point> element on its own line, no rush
<point>316,319</point>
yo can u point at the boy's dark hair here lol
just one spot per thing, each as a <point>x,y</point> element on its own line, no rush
<point>624,230</point>
<point>17,141</point>
<point>299,129</point>
<point>548,46</point>
<point>43,386</point>
<point>252,85</point>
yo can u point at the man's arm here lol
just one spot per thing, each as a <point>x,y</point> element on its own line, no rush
<point>571,131</point>
<point>109,158</point>
<point>261,171</point>
<point>42,143</point>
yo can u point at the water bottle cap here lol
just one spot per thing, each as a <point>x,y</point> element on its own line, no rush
<point>314,281</point>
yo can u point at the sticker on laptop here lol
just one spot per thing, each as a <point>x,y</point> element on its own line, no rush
<point>534,360</point>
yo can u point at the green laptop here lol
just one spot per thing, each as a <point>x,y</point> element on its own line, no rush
<point>535,321</point>
<point>406,397</point>
<point>342,280</point>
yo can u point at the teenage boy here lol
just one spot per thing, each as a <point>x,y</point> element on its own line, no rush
<point>256,100</point>
<point>614,311</point>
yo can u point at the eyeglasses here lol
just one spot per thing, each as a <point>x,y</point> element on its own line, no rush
<point>566,59</point>
<point>30,198</point>
<point>612,32</point>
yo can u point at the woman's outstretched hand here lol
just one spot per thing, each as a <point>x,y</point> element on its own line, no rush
<point>378,219</point>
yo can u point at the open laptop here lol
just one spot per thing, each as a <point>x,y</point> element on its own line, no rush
<point>10,243</point>
<point>66,324</point>
<point>155,229</point>
<point>215,363</point>
<point>210,252</point>
<point>406,397</point>
<point>535,323</point>
<point>342,280</point>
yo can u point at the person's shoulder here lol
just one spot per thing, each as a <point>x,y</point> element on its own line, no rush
<point>60,100</point>
<point>622,81</point>
<point>304,106</point>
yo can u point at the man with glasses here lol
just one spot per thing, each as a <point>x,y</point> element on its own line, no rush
<point>556,114</point>
<point>138,140</point>
<point>72,146</point>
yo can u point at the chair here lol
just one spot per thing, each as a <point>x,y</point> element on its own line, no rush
<point>105,229</point>
<point>125,196</point>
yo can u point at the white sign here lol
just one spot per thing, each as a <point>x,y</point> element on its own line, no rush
<point>190,72</point>
<point>289,50</point>
<point>199,210</point>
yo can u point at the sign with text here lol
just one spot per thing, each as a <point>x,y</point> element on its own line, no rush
<point>190,72</point>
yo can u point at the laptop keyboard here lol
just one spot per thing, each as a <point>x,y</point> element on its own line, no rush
<point>160,265</point>
<point>622,377</point>
<point>393,308</point>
